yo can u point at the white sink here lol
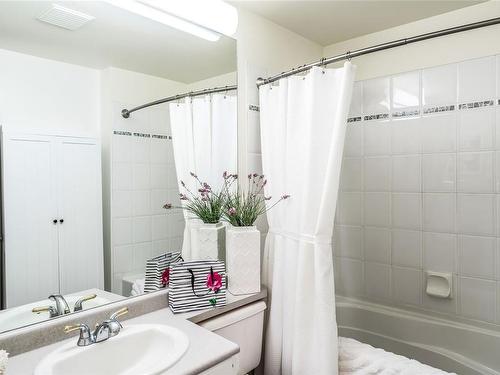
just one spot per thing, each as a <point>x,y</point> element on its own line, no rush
<point>140,349</point>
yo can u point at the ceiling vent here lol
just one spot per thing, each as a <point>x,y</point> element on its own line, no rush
<point>66,18</point>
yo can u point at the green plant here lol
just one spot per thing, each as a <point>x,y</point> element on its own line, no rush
<point>205,204</point>
<point>242,209</point>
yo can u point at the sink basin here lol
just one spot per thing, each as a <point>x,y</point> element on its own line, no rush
<point>140,349</point>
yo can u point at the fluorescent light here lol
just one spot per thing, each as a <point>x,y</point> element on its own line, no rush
<point>164,18</point>
<point>213,14</point>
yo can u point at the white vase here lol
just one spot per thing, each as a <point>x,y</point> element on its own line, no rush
<point>193,226</point>
<point>211,242</point>
<point>243,260</point>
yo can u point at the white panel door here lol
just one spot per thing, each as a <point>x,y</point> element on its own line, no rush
<point>80,210</point>
<point>29,204</point>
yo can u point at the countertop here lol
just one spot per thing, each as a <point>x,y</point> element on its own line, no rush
<point>197,357</point>
<point>195,360</point>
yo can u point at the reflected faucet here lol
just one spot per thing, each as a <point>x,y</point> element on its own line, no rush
<point>61,304</point>
<point>103,331</point>
<point>61,307</point>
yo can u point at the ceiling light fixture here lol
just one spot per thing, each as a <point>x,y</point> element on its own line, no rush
<point>167,19</point>
<point>215,15</point>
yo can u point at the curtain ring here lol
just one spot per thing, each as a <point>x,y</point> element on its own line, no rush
<point>348,55</point>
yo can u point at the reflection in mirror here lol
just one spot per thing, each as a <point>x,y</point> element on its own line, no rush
<point>83,187</point>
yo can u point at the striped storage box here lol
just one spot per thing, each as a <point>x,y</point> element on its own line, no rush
<point>197,285</point>
<point>155,268</point>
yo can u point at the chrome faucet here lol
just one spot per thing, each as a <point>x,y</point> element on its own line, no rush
<point>61,304</point>
<point>103,331</point>
<point>61,307</point>
<point>78,303</point>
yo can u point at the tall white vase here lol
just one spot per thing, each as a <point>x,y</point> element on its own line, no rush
<point>194,226</point>
<point>211,242</point>
<point>243,260</point>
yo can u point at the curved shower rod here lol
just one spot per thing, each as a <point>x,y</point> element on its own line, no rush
<point>379,47</point>
<point>126,112</point>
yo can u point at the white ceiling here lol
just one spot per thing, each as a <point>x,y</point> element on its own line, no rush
<point>115,38</point>
<point>328,22</point>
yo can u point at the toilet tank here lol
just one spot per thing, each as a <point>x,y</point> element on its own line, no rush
<point>243,326</point>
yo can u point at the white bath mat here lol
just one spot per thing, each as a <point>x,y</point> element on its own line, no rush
<point>356,358</point>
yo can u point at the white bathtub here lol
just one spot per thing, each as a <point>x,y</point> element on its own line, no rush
<point>454,347</point>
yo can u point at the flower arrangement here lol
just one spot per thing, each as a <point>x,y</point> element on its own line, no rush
<point>242,209</point>
<point>205,204</point>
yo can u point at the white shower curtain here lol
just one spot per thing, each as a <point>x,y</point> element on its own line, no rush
<point>303,124</point>
<point>204,137</point>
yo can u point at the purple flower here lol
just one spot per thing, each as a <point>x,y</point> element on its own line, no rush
<point>249,176</point>
<point>207,186</point>
<point>225,175</point>
<point>193,175</point>
<point>183,184</point>
<point>232,211</point>
<point>255,175</point>
<point>264,183</point>
<point>167,206</point>
<point>183,197</point>
<point>267,198</point>
<point>286,196</point>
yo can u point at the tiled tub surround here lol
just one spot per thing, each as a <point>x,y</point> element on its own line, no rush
<point>143,180</point>
<point>420,190</point>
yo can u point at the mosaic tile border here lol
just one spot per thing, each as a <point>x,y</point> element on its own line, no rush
<point>378,116</point>
<point>254,108</point>
<point>142,135</point>
<point>354,119</point>
<point>120,132</point>
<point>485,103</point>
<point>445,108</point>
<point>411,112</point>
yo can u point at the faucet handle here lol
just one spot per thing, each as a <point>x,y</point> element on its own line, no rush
<point>50,309</point>
<point>118,313</point>
<point>68,329</point>
<point>81,300</point>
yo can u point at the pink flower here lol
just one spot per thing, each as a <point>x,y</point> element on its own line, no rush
<point>167,206</point>
<point>232,211</point>
<point>165,277</point>
<point>214,281</point>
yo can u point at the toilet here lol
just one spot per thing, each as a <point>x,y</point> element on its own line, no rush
<point>243,326</point>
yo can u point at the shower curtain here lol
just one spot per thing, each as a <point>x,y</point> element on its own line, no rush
<point>204,137</point>
<point>303,124</point>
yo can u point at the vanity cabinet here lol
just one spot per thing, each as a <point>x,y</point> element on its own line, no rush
<point>52,216</point>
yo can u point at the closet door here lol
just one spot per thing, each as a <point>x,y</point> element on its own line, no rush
<point>29,205</point>
<point>80,215</point>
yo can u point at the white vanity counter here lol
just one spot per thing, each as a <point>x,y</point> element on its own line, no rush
<point>206,350</point>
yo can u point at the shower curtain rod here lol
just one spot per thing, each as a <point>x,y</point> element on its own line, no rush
<point>379,47</point>
<point>126,112</point>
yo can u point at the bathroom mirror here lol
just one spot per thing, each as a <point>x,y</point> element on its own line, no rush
<point>83,187</point>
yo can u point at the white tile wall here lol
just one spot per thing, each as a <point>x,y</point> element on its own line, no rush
<point>143,180</point>
<point>420,190</point>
